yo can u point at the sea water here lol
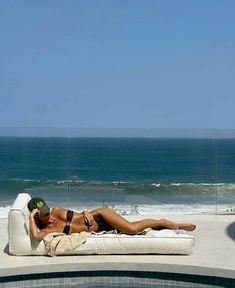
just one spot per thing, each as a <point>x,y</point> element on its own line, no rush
<point>132,175</point>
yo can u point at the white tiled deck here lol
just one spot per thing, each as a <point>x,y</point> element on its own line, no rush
<point>214,254</point>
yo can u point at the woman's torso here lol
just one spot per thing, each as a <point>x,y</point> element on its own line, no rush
<point>58,221</point>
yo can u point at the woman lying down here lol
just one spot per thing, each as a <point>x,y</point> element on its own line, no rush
<point>43,221</point>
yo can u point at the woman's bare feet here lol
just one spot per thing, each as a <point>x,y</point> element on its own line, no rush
<point>187,227</point>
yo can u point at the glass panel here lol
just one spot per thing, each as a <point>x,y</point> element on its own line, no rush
<point>225,176</point>
<point>33,161</point>
<point>146,171</point>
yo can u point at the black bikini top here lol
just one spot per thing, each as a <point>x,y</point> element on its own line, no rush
<point>69,217</point>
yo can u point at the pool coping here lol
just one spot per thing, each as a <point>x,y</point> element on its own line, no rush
<point>116,266</point>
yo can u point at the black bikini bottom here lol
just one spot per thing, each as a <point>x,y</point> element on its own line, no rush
<point>69,217</point>
<point>102,225</point>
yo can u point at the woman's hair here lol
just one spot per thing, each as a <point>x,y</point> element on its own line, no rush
<point>40,224</point>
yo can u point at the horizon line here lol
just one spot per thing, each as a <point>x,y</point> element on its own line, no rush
<point>209,133</point>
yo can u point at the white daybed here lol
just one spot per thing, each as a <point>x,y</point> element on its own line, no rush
<point>160,242</point>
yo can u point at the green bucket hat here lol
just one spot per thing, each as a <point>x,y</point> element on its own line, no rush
<point>40,204</point>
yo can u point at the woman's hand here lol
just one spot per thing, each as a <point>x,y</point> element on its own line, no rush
<point>34,212</point>
<point>88,218</point>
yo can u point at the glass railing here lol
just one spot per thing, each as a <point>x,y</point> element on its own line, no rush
<point>224,175</point>
<point>133,171</point>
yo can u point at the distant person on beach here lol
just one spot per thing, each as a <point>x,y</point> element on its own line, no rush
<point>43,221</point>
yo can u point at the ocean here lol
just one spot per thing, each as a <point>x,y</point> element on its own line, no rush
<point>146,176</point>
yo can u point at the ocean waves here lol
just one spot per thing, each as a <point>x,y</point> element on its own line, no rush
<point>149,210</point>
<point>138,187</point>
<point>145,176</point>
<point>126,197</point>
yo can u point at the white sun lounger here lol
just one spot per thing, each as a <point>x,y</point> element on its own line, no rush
<point>159,242</point>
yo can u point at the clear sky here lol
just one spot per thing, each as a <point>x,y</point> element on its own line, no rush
<point>117,64</point>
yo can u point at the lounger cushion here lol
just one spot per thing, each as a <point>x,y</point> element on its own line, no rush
<point>157,242</point>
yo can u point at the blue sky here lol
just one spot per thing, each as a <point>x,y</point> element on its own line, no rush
<point>117,64</point>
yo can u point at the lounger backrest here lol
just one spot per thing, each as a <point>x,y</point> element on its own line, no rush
<point>20,242</point>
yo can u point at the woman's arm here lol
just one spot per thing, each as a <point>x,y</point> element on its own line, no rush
<point>35,232</point>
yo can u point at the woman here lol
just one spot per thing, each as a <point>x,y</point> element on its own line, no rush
<point>43,221</point>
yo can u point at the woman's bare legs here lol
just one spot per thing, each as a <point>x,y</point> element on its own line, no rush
<point>118,222</point>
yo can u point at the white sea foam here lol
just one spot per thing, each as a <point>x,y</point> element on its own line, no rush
<point>201,184</point>
<point>162,209</point>
<point>25,180</point>
<point>156,184</point>
<point>66,181</point>
<point>144,209</point>
<point>121,182</point>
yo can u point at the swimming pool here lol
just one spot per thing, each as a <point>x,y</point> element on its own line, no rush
<point>111,278</point>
